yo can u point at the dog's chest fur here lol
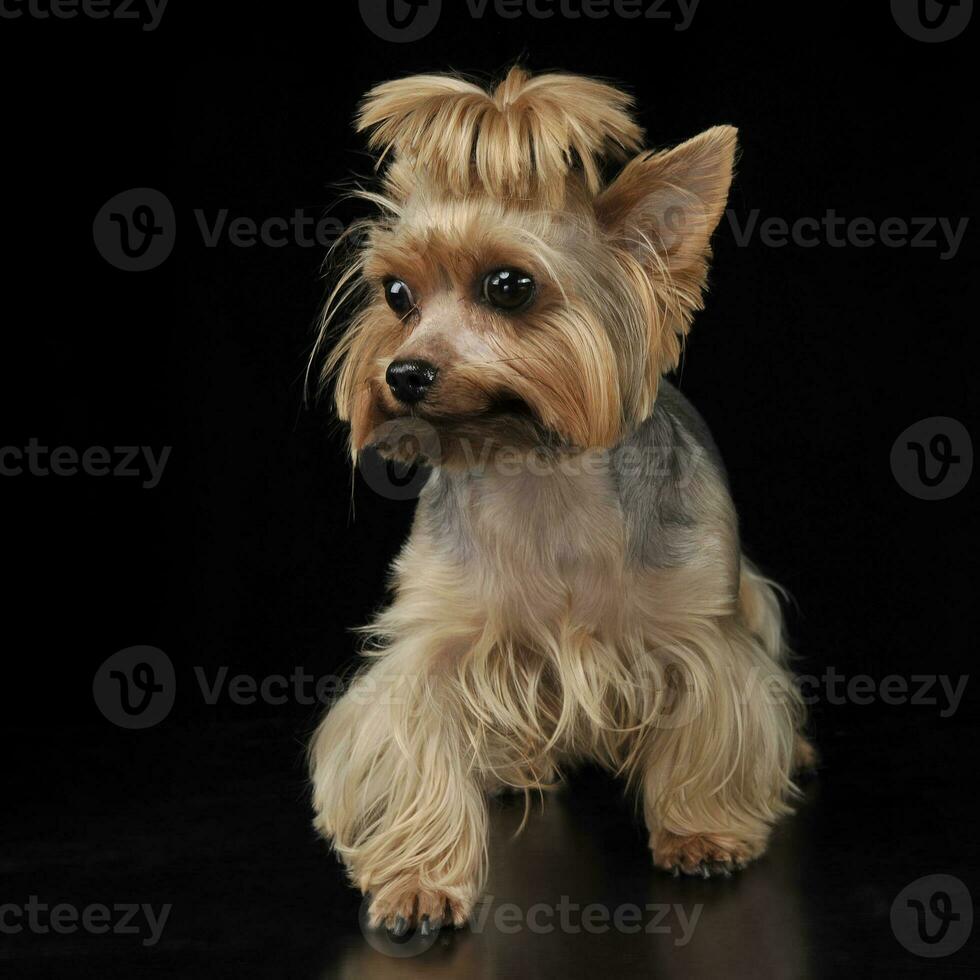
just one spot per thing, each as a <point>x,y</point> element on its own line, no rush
<point>530,539</point>
<point>561,541</point>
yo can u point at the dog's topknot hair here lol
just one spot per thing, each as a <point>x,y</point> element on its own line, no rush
<point>520,140</point>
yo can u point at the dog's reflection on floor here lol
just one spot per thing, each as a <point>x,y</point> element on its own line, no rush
<point>575,894</point>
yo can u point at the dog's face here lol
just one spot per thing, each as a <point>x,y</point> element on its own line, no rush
<point>512,303</point>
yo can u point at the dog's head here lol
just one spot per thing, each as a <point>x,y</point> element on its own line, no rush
<point>510,295</point>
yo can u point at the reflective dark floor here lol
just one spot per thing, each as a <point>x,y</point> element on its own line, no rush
<point>213,821</point>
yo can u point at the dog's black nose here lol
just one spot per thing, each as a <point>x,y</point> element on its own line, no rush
<point>410,380</point>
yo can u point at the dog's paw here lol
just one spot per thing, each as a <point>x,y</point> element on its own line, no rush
<point>400,906</point>
<point>702,855</point>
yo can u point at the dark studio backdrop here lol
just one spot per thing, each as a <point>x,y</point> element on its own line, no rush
<point>254,553</point>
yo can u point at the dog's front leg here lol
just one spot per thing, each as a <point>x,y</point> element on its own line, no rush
<point>718,772</point>
<point>394,793</point>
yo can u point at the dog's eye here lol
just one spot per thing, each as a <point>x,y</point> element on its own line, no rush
<point>399,297</point>
<point>508,289</point>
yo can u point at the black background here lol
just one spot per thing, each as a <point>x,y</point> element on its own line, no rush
<point>255,552</point>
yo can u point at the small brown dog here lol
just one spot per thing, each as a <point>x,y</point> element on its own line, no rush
<point>573,587</point>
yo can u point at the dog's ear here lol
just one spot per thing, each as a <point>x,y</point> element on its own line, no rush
<point>663,207</point>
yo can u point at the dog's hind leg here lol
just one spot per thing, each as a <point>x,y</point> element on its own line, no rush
<point>759,607</point>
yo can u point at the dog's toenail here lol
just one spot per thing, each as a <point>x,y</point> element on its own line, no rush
<point>400,927</point>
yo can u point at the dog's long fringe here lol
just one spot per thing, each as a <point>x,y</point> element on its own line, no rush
<point>520,140</point>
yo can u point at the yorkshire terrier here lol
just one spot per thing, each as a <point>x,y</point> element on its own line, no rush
<point>573,587</point>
